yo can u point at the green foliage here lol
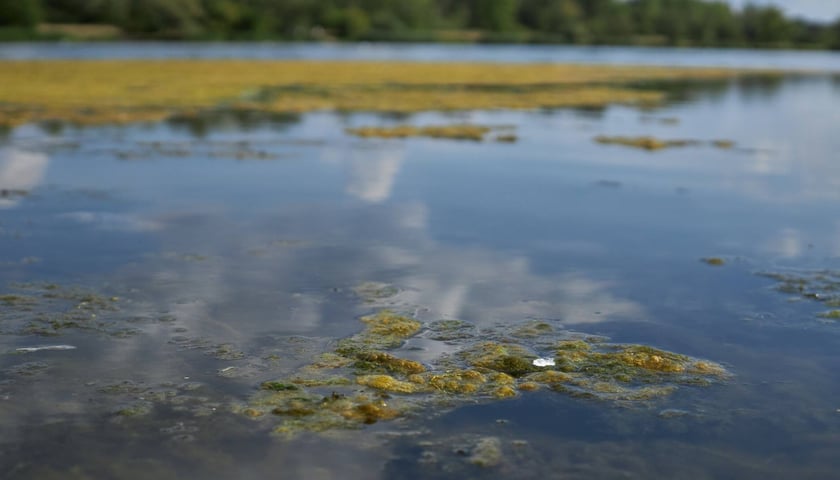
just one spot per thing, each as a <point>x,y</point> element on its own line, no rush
<point>20,13</point>
<point>665,22</point>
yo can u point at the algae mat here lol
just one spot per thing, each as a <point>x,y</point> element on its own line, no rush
<point>102,92</point>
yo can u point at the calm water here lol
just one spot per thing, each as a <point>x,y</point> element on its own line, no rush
<point>249,235</point>
<point>708,57</point>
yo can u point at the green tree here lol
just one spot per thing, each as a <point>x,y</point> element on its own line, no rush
<point>493,15</point>
<point>20,13</point>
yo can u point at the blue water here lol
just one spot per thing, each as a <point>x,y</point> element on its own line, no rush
<point>700,57</point>
<point>603,240</point>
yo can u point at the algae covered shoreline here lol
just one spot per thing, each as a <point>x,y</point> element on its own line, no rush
<point>94,92</point>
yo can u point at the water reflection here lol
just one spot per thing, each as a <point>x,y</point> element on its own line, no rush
<point>200,124</point>
<point>20,172</point>
<point>251,265</point>
<point>373,173</point>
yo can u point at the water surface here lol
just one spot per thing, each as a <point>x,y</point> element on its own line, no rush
<point>225,237</point>
<point>434,52</point>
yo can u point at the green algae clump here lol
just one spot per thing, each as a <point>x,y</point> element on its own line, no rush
<point>714,261</point>
<point>371,361</point>
<point>457,382</point>
<point>822,286</point>
<point>644,142</point>
<point>365,371</point>
<point>387,383</point>
<point>511,359</point>
<point>388,325</point>
<point>455,132</point>
<point>278,386</point>
<point>383,331</point>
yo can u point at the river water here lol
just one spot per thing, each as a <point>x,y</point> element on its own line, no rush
<point>224,251</point>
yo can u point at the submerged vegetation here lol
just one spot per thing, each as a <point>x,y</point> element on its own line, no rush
<point>106,92</point>
<point>651,143</point>
<point>483,366</point>
<point>821,286</point>
<point>50,310</point>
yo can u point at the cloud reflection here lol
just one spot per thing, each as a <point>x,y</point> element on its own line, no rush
<point>21,171</point>
<point>373,172</point>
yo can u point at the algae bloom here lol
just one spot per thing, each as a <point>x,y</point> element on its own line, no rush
<point>366,378</point>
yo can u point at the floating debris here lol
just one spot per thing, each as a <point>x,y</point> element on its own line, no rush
<point>714,261</point>
<point>543,362</point>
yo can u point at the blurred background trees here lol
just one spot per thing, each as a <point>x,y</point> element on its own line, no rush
<point>637,22</point>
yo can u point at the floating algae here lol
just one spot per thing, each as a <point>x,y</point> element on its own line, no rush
<point>371,292</point>
<point>821,286</point>
<point>713,261</point>
<point>49,310</point>
<point>454,132</point>
<point>366,380</point>
<point>652,143</point>
<point>156,90</point>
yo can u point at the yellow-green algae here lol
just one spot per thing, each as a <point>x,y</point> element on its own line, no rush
<point>122,91</point>
<point>820,285</point>
<point>365,379</point>
<point>652,144</point>
<point>456,132</point>
<point>49,310</point>
<point>714,261</point>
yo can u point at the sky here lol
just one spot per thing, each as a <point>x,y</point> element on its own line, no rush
<point>811,9</point>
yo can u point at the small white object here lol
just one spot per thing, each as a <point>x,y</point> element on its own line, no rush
<point>543,362</point>
<point>44,347</point>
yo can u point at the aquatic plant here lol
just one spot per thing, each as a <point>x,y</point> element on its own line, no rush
<point>49,310</point>
<point>653,144</point>
<point>325,395</point>
<point>507,138</point>
<point>646,143</point>
<point>124,91</point>
<point>456,132</point>
<point>821,286</point>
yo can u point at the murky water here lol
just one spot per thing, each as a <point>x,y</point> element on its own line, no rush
<point>224,252</point>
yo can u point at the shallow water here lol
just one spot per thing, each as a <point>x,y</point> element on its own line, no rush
<point>238,243</point>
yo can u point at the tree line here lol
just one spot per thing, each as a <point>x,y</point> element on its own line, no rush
<point>638,22</point>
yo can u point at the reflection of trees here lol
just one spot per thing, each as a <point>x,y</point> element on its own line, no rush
<point>200,124</point>
<point>749,87</point>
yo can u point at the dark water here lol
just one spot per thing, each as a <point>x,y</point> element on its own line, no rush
<point>248,235</point>
<point>705,57</point>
